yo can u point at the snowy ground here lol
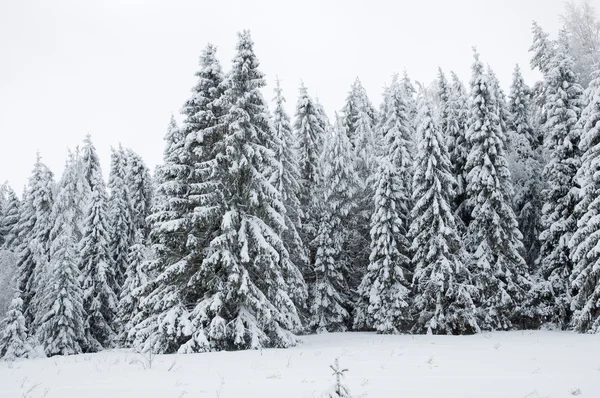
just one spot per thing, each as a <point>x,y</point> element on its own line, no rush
<point>498,365</point>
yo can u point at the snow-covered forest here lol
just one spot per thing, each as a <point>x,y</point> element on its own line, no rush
<point>453,208</point>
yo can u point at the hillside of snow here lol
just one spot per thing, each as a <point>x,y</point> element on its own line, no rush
<point>491,365</point>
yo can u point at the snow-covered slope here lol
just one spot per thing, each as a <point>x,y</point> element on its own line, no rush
<point>488,365</point>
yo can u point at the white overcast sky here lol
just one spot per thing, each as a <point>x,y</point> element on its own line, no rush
<point>117,68</point>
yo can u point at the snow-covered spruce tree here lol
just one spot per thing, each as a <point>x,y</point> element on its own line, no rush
<point>443,290</point>
<point>10,221</point>
<point>409,94</point>
<point>136,279</point>
<point>95,263</point>
<point>392,189</point>
<point>458,148</point>
<point>543,51</point>
<point>358,114</point>
<point>61,329</point>
<point>339,389</point>
<point>140,186</point>
<point>323,118</point>
<point>90,164</point>
<point>335,241</point>
<point>493,239</point>
<point>121,229</point>
<point>186,215</point>
<point>559,221</point>
<point>396,130</point>
<point>310,138</point>
<point>286,181</point>
<point>443,103</point>
<point>62,319</point>
<point>14,339</point>
<point>384,291</point>
<point>35,223</point>
<point>501,104</point>
<point>585,278</point>
<point>3,206</point>
<point>75,194</point>
<point>246,281</point>
<point>525,167</point>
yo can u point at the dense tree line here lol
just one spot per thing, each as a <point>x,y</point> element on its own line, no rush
<point>449,210</point>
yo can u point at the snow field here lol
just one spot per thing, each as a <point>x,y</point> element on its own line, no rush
<point>526,364</point>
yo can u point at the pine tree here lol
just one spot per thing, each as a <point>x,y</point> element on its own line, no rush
<point>62,325</point>
<point>35,223</point>
<point>14,339</point>
<point>384,290</point>
<point>286,180</point>
<point>120,220</point>
<point>98,273</point>
<point>330,297</point>
<point>525,167</point>
<point>458,147</point>
<point>140,187</point>
<point>559,222</point>
<point>585,278</point>
<point>443,301</point>
<point>494,241</point>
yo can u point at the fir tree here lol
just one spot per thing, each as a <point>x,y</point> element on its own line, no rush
<point>585,278</point>
<point>384,290</point>
<point>14,339</point>
<point>98,273</point>
<point>443,301</point>
<point>494,241</point>
<point>335,241</point>
<point>559,221</point>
